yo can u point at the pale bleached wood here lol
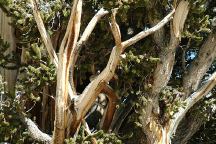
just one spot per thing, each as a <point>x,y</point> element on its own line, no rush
<point>47,41</point>
<point>145,33</point>
<point>34,131</point>
<point>66,49</point>
<point>44,35</point>
<point>85,36</point>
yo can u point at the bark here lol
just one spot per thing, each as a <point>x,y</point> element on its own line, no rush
<point>188,127</point>
<point>154,130</point>
<point>200,65</point>
<point>7,34</point>
<point>44,108</point>
<point>34,132</point>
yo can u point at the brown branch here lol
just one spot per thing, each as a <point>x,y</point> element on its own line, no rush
<point>200,65</point>
<point>164,68</point>
<point>110,109</point>
<point>167,56</point>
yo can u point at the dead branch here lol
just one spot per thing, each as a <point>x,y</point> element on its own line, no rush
<point>67,46</point>
<point>34,131</point>
<point>91,92</point>
<point>45,37</point>
<point>88,30</point>
<point>145,33</point>
<point>46,40</point>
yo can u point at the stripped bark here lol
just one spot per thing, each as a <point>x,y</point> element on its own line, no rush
<point>85,36</point>
<point>67,46</point>
<point>47,40</point>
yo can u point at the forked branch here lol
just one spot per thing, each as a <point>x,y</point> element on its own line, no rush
<point>91,92</point>
<point>88,30</point>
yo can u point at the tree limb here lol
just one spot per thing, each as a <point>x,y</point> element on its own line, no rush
<point>190,101</point>
<point>110,109</point>
<point>145,33</point>
<point>200,65</point>
<point>45,37</point>
<point>46,40</point>
<point>66,49</point>
<point>88,30</point>
<point>91,92</point>
<point>34,131</point>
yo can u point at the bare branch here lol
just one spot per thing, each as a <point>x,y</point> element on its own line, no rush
<point>83,39</point>
<point>145,33</point>
<point>91,25</point>
<point>190,101</point>
<point>45,37</point>
<point>67,46</point>
<point>34,131</point>
<point>91,92</point>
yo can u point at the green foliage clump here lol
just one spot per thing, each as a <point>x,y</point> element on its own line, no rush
<point>11,128</point>
<point>170,101</point>
<point>99,136</point>
<point>198,22</point>
<point>7,60</point>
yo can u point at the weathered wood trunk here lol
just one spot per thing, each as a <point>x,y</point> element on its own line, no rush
<point>7,33</point>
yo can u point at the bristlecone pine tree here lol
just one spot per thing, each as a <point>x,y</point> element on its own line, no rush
<point>107,71</point>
